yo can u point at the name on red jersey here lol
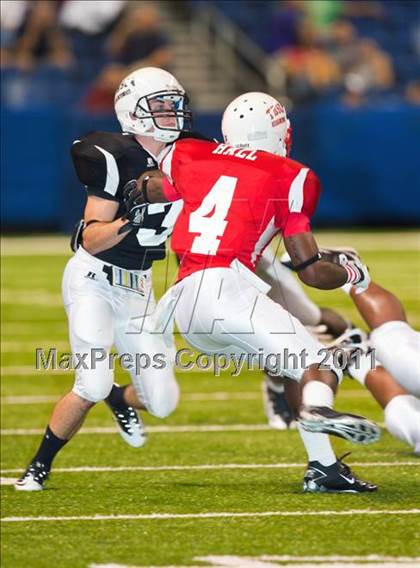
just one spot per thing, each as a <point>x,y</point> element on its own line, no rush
<point>226,150</point>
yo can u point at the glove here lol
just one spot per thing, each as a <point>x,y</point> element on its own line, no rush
<point>335,254</point>
<point>135,207</point>
<point>357,272</point>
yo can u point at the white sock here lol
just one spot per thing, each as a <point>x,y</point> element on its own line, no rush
<point>316,393</point>
<point>318,446</point>
<point>360,367</point>
<point>402,419</point>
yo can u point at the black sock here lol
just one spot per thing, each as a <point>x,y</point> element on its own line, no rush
<point>116,397</point>
<point>48,448</point>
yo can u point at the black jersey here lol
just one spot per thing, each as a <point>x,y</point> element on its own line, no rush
<point>104,163</point>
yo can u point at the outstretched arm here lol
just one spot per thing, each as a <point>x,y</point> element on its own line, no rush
<point>316,269</point>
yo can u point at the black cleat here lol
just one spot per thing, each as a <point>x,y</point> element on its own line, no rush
<point>335,478</point>
<point>277,410</point>
<point>351,427</point>
<point>33,479</point>
<point>130,425</point>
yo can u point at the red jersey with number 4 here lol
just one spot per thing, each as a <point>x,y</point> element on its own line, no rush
<point>235,201</point>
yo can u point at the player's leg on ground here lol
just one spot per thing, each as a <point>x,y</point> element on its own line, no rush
<point>377,305</point>
<point>288,292</point>
<point>401,409</point>
<point>213,312</point>
<point>278,411</point>
<point>154,387</point>
<point>396,344</point>
<point>90,319</point>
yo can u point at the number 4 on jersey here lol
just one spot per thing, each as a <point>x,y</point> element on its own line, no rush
<point>209,220</point>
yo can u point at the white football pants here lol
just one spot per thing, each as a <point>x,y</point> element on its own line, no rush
<point>226,310</point>
<point>101,315</point>
<point>286,290</point>
<point>397,347</point>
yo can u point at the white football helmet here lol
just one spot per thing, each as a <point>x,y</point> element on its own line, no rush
<point>257,121</point>
<point>132,104</point>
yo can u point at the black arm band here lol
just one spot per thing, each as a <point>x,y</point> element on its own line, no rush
<point>308,262</point>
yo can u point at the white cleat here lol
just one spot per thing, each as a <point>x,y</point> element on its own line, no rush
<point>33,479</point>
<point>130,426</point>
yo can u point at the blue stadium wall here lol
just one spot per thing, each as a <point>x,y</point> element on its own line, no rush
<point>368,161</point>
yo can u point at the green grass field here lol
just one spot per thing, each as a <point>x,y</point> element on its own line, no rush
<point>213,486</point>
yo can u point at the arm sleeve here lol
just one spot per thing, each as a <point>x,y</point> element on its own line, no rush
<point>303,199</point>
<point>96,169</point>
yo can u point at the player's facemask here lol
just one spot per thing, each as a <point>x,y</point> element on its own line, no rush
<point>167,110</point>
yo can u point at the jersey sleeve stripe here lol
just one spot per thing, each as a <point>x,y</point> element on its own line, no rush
<point>112,174</point>
<point>296,191</point>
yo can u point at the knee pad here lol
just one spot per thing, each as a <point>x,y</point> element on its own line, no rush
<point>94,385</point>
<point>162,405</point>
<point>158,393</point>
<point>402,419</point>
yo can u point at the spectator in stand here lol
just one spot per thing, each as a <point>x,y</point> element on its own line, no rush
<point>13,13</point>
<point>87,25</point>
<point>310,71</point>
<point>369,71</point>
<point>412,92</point>
<point>137,41</point>
<point>323,13</point>
<point>34,36</point>
<point>284,25</point>
<point>343,44</point>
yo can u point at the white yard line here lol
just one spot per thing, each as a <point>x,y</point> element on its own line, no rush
<point>176,429</point>
<point>30,370</point>
<point>207,467</point>
<point>7,480</point>
<point>381,240</point>
<point>30,346</point>
<point>155,429</point>
<point>266,561</point>
<point>186,397</point>
<point>211,515</point>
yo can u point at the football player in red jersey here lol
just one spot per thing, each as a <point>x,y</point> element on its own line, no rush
<point>237,196</point>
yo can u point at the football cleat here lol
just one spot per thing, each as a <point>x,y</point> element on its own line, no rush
<point>276,408</point>
<point>129,425</point>
<point>33,479</point>
<point>351,427</point>
<point>351,340</point>
<point>335,478</point>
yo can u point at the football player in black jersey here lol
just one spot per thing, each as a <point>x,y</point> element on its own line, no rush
<point>107,284</point>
